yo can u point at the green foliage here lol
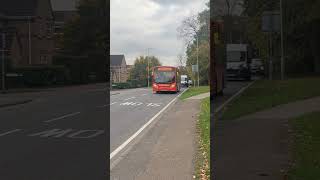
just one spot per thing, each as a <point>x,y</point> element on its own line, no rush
<point>40,76</point>
<point>306,147</point>
<point>301,32</point>
<point>204,52</point>
<point>193,91</point>
<point>203,125</point>
<point>265,94</point>
<point>204,49</point>
<point>87,32</point>
<point>139,71</point>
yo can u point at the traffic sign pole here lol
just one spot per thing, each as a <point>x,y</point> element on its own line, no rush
<point>3,61</point>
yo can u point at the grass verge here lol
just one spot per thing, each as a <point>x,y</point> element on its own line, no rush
<point>203,155</point>
<point>265,94</point>
<point>193,91</point>
<point>305,147</point>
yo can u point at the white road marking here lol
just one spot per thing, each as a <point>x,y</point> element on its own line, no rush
<point>94,133</point>
<point>233,97</point>
<point>123,145</point>
<point>113,103</point>
<point>62,117</point>
<point>143,94</point>
<point>53,132</point>
<point>131,104</point>
<point>154,104</point>
<point>10,132</point>
<point>129,98</point>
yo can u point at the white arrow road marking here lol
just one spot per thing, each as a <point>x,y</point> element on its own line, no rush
<point>131,104</point>
<point>62,117</point>
<point>129,98</point>
<point>154,104</point>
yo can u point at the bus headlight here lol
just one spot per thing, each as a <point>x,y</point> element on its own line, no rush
<point>155,86</point>
<point>173,85</point>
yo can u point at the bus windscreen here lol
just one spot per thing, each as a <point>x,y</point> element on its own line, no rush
<point>164,77</point>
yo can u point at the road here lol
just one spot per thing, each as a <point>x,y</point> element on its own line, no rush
<point>132,109</point>
<point>60,135</point>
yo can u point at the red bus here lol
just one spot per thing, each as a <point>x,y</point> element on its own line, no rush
<point>165,78</point>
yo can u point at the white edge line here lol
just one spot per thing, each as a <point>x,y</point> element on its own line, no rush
<point>233,97</point>
<point>123,145</point>
<point>68,115</point>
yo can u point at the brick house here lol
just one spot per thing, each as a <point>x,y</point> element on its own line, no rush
<point>28,26</point>
<point>118,68</point>
<point>64,11</point>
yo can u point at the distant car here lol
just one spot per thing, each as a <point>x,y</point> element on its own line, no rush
<point>190,82</point>
<point>257,67</point>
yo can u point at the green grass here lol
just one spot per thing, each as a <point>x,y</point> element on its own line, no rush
<point>193,91</point>
<point>203,125</point>
<point>265,94</point>
<point>306,147</point>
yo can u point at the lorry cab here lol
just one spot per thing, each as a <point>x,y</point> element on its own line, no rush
<point>238,61</point>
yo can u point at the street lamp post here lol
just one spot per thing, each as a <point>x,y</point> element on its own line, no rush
<point>282,53</point>
<point>198,58</point>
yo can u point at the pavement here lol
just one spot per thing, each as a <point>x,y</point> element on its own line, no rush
<point>59,135</point>
<point>200,96</point>
<point>256,146</point>
<point>166,150</point>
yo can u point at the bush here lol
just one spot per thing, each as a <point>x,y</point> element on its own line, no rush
<point>43,75</point>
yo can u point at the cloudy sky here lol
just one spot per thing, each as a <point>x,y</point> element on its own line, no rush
<point>140,24</point>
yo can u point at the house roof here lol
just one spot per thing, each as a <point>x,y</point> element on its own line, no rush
<point>18,7</point>
<point>116,60</point>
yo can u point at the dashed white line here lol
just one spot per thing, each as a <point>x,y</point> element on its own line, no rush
<point>129,98</point>
<point>113,103</point>
<point>62,117</point>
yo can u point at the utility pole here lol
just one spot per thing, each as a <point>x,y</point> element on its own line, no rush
<point>198,57</point>
<point>29,27</point>
<point>3,61</point>
<point>282,50</point>
<point>148,66</point>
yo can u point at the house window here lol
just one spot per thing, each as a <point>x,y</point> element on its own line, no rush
<point>43,60</point>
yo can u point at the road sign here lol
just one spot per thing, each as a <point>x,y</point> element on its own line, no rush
<point>194,68</point>
<point>270,21</point>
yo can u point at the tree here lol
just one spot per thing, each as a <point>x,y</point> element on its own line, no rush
<point>88,31</point>
<point>301,31</point>
<point>139,70</point>
<point>193,28</point>
<point>222,8</point>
